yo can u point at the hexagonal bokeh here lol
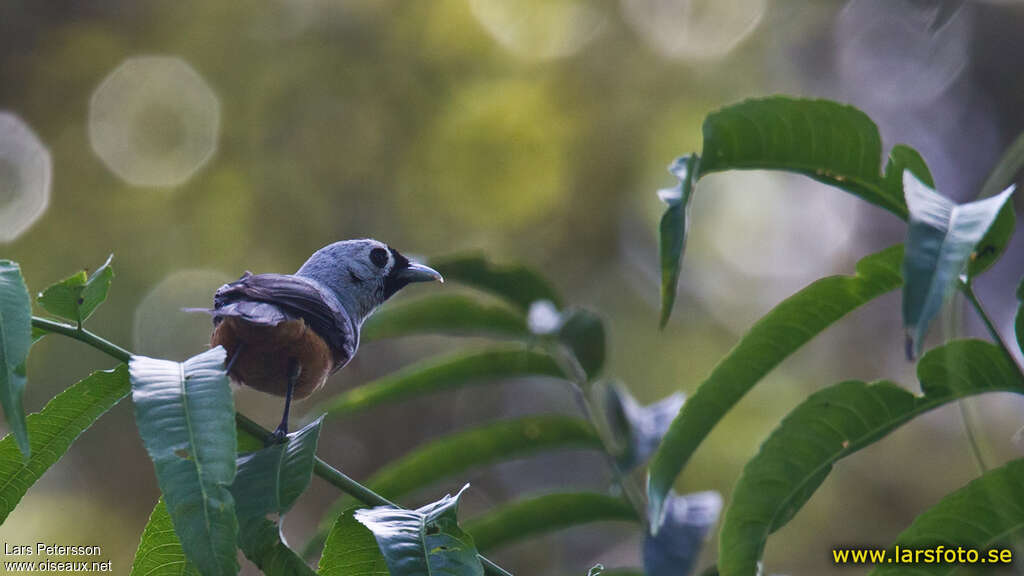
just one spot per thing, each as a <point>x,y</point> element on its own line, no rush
<point>162,329</point>
<point>154,121</point>
<point>25,174</point>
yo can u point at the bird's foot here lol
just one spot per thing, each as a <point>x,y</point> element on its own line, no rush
<point>279,436</point>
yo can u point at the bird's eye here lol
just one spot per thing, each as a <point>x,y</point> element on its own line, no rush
<point>379,256</point>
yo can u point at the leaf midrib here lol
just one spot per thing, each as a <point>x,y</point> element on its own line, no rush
<point>934,272</point>
<point>186,410</point>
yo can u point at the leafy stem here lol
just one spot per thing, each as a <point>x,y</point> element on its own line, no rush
<point>578,381</point>
<point>83,335</point>
<point>322,469</point>
<point>968,292</point>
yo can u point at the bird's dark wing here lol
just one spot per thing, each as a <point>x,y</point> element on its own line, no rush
<point>270,299</point>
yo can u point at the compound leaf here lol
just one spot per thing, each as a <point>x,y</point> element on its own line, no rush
<point>836,422</point>
<point>530,517</point>
<point>445,373</point>
<point>472,448</point>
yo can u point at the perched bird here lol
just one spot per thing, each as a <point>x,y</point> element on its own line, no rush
<point>286,333</point>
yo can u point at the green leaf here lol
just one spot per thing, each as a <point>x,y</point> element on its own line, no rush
<point>827,141</point>
<point>425,541</point>
<point>15,341</point>
<point>978,516</point>
<point>774,337</point>
<point>448,314</point>
<point>674,225</point>
<point>468,449</point>
<point>475,447</point>
<point>582,332</point>
<point>836,422</point>
<point>445,373</point>
<point>351,550</point>
<point>269,481</point>
<point>994,243</point>
<point>940,238</point>
<point>53,429</point>
<point>186,417</point>
<point>519,285</point>
<point>160,552</point>
<point>531,517</point>
<point>901,159</point>
<point>77,296</point>
<point>264,547</point>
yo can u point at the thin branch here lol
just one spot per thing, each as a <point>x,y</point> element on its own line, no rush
<point>83,335</point>
<point>322,469</point>
<point>968,291</point>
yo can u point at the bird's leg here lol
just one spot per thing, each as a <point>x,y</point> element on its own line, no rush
<point>294,369</point>
<point>234,357</point>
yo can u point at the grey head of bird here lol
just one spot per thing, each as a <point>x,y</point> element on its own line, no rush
<point>364,273</point>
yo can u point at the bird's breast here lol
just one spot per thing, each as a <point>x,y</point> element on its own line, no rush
<point>266,351</point>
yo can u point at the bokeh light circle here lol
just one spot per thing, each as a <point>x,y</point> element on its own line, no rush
<point>693,29</point>
<point>161,329</point>
<point>26,171</point>
<point>154,121</point>
<point>776,231</point>
<point>540,29</point>
<point>896,51</point>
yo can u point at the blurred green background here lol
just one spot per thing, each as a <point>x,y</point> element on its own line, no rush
<point>199,139</point>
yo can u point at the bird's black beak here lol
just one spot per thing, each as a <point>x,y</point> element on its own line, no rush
<point>416,272</point>
<point>406,272</point>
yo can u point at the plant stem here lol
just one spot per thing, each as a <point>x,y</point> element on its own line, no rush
<point>322,469</point>
<point>83,335</point>
<point>968,291</point>
<point>578,380</point>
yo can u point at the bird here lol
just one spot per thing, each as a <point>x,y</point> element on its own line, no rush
<point>284,334</point>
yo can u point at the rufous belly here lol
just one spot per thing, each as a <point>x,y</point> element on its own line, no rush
<point>267,352</point>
